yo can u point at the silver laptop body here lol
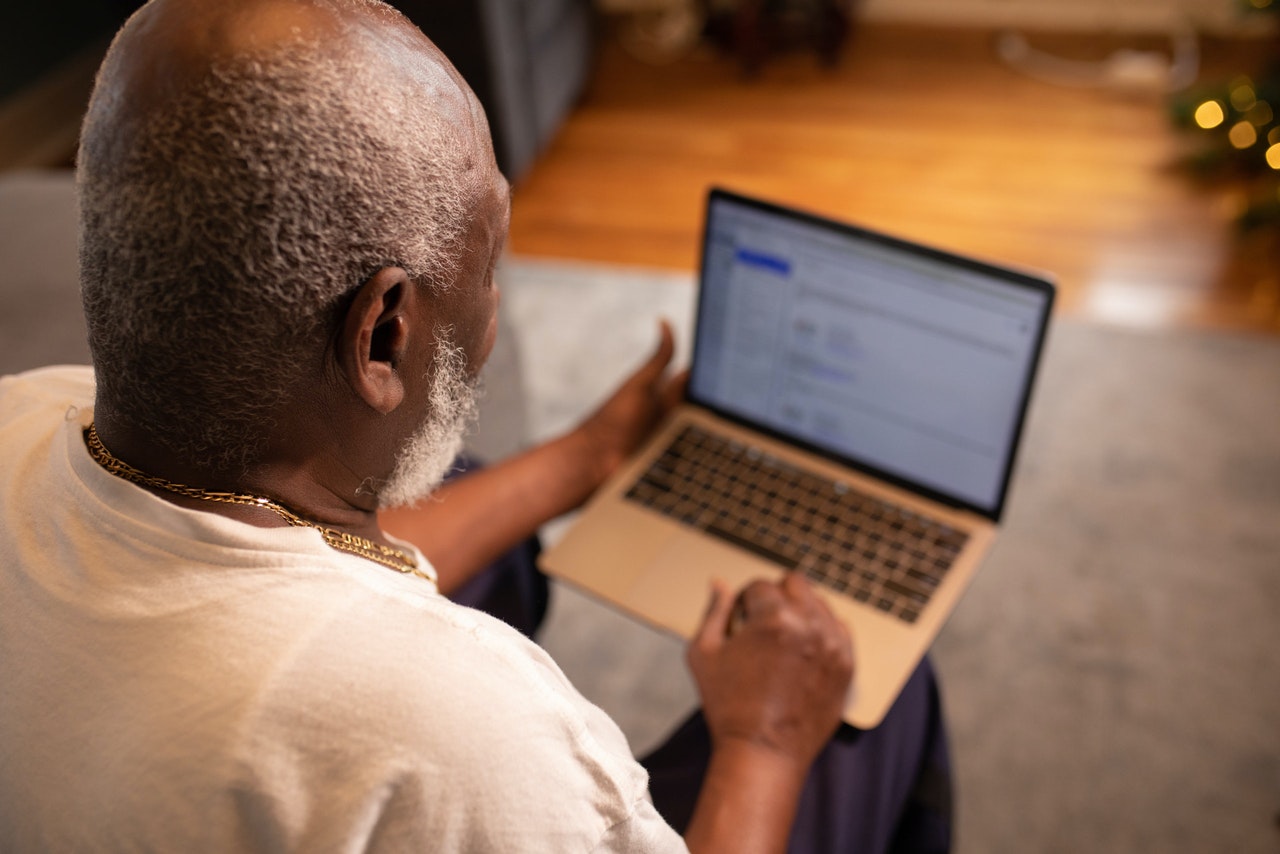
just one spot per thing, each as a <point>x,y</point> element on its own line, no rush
<point>853,413</point>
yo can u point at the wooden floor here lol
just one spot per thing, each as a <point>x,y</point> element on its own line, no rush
<point>918,132</point>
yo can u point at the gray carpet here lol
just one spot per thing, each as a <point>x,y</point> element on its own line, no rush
<point>1111,678</point>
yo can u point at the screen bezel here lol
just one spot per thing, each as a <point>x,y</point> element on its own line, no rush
<point>1038,284</point>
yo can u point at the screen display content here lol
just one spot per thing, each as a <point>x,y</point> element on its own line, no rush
<point>908,361</point>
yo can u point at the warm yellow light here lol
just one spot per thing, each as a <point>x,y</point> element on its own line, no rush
<point>1273,156</point>
<point>1273,136</point>
<point>1243,97</point>
<point>1261,114</point>
<point>1260,4</point>
<point>1210,115</point>
<point>1242,135</point>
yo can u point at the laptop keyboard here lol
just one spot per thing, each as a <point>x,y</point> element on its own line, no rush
<point>868,549</point>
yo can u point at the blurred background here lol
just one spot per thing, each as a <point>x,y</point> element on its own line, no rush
<point>1121,146</point>
<point>1131,149</point>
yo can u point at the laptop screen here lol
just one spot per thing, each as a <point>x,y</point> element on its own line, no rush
<point>910,363</point>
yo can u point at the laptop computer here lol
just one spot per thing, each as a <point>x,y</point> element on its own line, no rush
<point>853,413</point>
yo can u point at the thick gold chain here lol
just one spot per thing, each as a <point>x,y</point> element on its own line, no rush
<point>393,558</point>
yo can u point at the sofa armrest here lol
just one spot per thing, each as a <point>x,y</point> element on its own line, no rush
<point>41,318</point>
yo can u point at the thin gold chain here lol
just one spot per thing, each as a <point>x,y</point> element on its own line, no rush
<point>393,558</point>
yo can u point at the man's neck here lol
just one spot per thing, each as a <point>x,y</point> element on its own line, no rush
<point>304,486</point>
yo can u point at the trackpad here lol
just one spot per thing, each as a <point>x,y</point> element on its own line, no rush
<point>675,589</point>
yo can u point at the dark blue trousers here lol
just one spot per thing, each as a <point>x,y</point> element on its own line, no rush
<point>886,789</point>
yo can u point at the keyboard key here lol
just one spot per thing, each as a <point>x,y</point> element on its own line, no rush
<point>765,505</point>
<point>786,560</point>
<point>906,592</point>
<point>924,578</point>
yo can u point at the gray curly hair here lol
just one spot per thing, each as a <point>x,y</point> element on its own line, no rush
<point>221,233</point>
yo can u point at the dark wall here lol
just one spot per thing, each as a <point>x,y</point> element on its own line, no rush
<point>38,35</point>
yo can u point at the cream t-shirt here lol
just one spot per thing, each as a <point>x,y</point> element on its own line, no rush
<point>172,680</point>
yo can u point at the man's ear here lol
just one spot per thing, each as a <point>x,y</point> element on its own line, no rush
<point>373,339</point>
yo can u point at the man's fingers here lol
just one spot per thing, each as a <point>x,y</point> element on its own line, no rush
<point>651,371</point>
<point>798,588</point>
<point>761,598</point>
<point>673,392</point>
<point>800,591</point>
<point>795,584</point>
<point>715,624</point>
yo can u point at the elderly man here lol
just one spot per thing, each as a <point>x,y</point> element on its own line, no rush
<point>209,641</point>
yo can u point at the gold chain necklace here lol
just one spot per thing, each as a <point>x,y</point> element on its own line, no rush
<point>393,558</point>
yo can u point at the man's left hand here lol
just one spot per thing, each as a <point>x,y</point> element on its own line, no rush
<point>625,420</point>
<point>478,517</point>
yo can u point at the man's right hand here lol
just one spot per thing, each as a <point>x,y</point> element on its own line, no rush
<point>773,666</point>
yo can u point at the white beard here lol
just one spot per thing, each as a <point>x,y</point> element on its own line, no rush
<point>427,456</point>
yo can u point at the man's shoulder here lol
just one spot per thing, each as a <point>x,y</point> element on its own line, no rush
<point>57,385</point>
<point>35,405</point>
<point>424,655</point>
<point>463,712</point>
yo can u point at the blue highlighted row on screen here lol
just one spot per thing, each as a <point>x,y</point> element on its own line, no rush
<point>773,264</point>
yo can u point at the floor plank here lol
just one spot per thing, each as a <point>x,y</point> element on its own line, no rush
<point>921,132</point>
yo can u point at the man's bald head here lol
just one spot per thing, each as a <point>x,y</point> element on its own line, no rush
<point>246,164</point>
<point>169,46</point>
